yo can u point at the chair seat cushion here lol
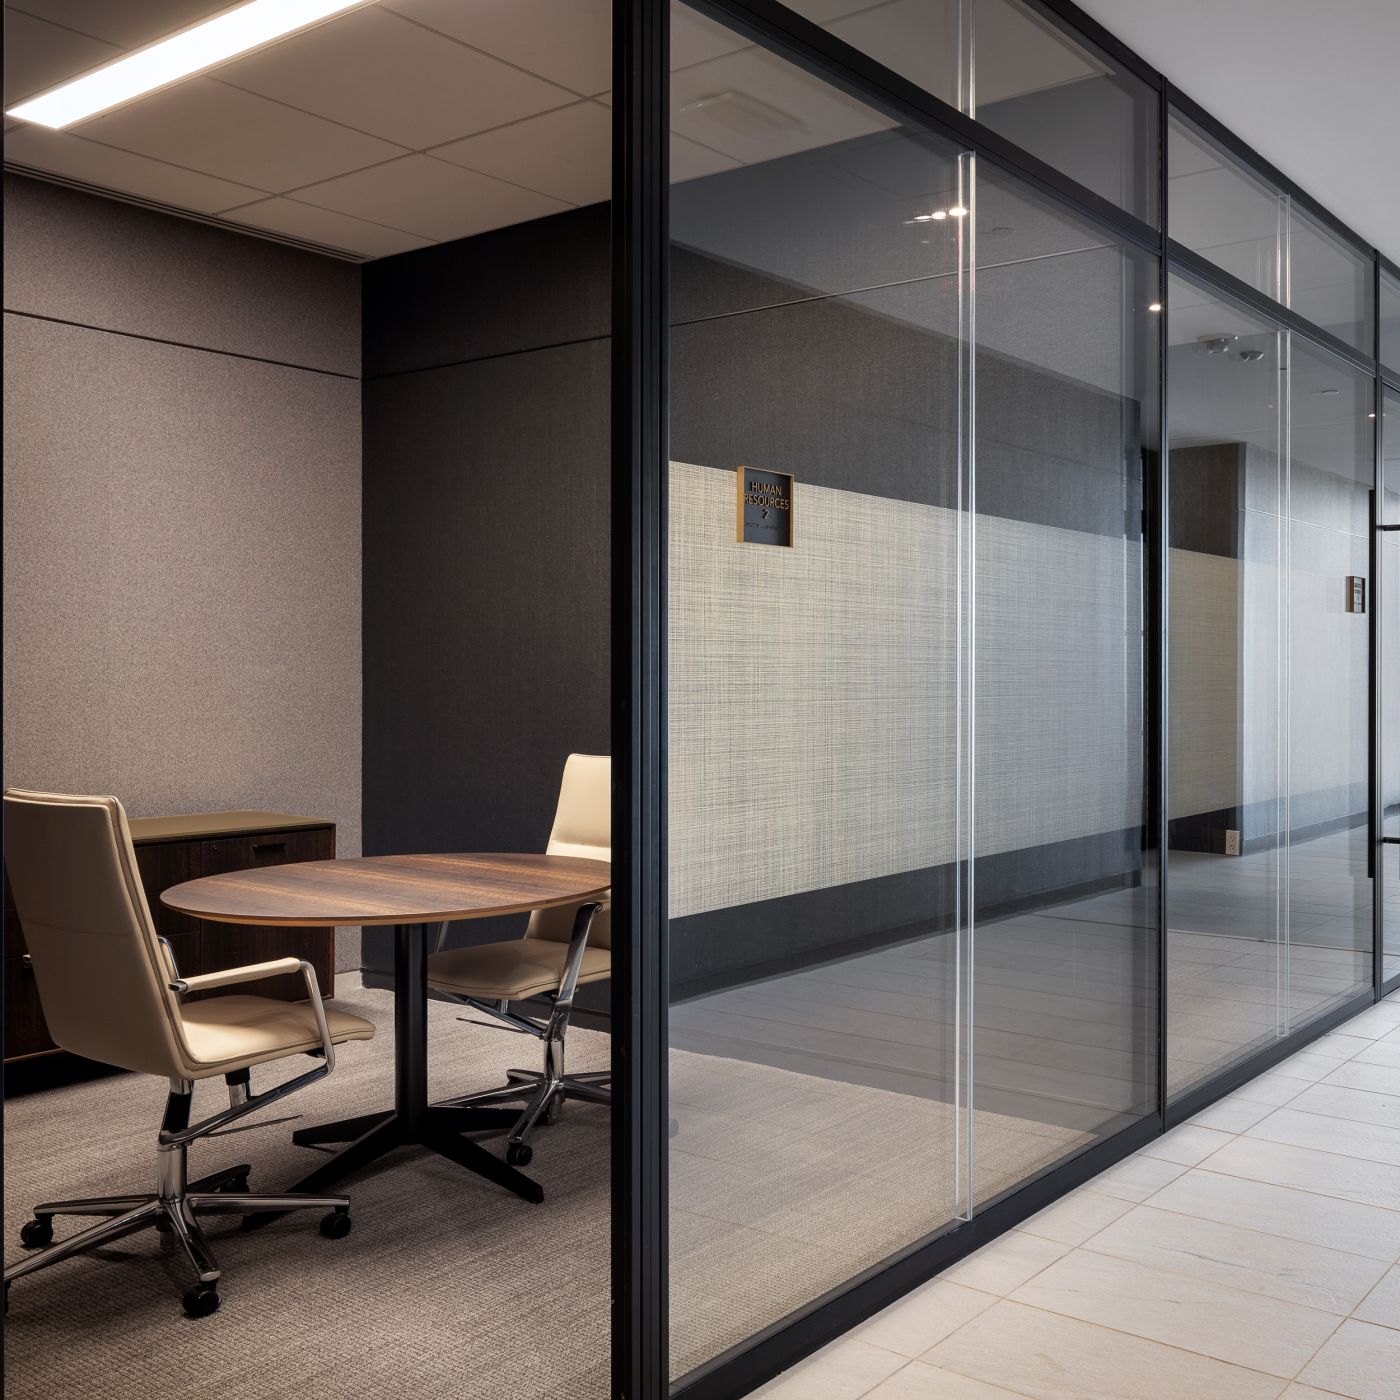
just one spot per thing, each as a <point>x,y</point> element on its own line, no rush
<point>232,1031</point>
<point>513,970</point>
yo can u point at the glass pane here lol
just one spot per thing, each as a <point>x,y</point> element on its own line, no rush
<point>1329,282</point>
<point>1389,623</point>
<point>1056,95</point>
<point>1227,431</point>
<point>1390,322</point>
<point>1219,210</point>
<point>1328,914</point>
<point>1065,989</point>
<point>814,749</point>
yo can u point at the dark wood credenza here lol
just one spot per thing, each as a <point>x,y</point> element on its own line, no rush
<point>169,851</point>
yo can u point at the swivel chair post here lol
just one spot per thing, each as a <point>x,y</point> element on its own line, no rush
<point>546,1090</point>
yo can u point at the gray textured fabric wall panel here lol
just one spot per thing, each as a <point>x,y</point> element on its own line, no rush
<point>99,262</point>
<point>182,577</point>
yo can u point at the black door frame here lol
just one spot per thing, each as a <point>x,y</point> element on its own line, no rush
<point>640,380</point>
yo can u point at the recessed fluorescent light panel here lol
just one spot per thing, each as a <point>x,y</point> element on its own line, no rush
<point>182,55</point>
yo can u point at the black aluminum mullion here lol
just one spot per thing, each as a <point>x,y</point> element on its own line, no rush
<point>640,350</point>
<point>1247,155</point>
<point>1250,299</point>
<point>1376,695</point>
<point>821,53</point>
<point>1159,540</point>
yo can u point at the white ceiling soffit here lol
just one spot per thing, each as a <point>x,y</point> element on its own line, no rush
<point>1314,88</point>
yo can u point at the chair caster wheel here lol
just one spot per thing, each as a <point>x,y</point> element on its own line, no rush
<point>518,1154</point>
<point>36,1233</point>
<point>336,1224</point>
<point>203,1301</point>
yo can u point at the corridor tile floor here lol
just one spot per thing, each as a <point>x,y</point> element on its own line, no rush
<point>1250,1254</point>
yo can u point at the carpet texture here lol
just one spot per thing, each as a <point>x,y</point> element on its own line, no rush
<point>783,1186</point>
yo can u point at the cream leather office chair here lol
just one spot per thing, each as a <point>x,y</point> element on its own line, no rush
<point>110,990</point>
<point>562,949</point>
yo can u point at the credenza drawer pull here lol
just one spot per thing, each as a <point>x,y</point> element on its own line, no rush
<point>26,960</point>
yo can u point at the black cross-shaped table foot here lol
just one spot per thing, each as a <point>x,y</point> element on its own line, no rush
<point>412,1122</point>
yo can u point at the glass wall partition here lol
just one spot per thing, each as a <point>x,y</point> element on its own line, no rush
<point>1390,323</point>
<point>1024,75</point>
<point>819,549</point>
<point>1388,603</point>
<point>906,689</point>
<point>1259,234</point>
<point>1269,892</point>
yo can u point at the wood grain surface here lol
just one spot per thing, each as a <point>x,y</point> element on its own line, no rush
<point>392,889</point>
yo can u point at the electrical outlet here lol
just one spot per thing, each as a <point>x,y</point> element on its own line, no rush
<point>1232,843</point>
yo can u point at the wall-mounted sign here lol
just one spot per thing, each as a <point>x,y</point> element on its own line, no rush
<point>1356,593</point>
<point>765,506</point>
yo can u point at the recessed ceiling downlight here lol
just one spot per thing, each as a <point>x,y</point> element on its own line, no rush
<point>182,55</point>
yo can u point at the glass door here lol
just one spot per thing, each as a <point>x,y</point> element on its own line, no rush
<point>1388,633</point>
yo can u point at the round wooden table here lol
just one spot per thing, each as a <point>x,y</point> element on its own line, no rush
<point>411,893</point>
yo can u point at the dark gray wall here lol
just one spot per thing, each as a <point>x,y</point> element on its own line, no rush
<point>182,514</point>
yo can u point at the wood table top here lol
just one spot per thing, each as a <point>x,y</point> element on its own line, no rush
<point>392,889</point>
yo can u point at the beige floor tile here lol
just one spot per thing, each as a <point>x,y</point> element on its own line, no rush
<point>1326,1173</point>
<point>1004,1265</point>
<point>1385,1051</point>
<point>1375,1021</point>
<point>1350,1226</point>
<point>1359,1360</point>
<point>1052,1357</point>
<point>846,1370</point>
<point>1382,1304</point>
<point>1275,1088</point>
<point>1357,1105</point>
<point>1187,1145</point>
<point>1137,1178</point>
<point>914,1324</point>
<point>1074,1219</point>
<point>1315,1276</point>
<point>1229,1324</point>
<point>1339,1045</point>
<point>1356,1074</point>
<point>1231,1115</point>
<point>1307,1392</point>
<point>1373,1142</point>
<point>920,1381</point>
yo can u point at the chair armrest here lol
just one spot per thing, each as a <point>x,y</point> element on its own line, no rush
<point>252,972</point>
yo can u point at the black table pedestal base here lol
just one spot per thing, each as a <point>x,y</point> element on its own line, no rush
<point>412,1122</point>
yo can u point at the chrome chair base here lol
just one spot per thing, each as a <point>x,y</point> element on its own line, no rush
<point>545,1093</point>
<point>173,1209</point>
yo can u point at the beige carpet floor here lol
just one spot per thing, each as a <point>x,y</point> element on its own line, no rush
<point>783,1186</point>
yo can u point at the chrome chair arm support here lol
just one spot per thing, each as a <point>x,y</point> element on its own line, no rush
<point>252,973</point>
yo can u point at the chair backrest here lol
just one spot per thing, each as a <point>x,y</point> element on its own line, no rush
<point>102,974</point>
<point>582,827</point>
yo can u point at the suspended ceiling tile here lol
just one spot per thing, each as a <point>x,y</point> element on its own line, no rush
<point>690,161</point>
<point>378,73</point>
<point>326,227</point>
<point>566,41</point>
<point>566,153</point>
<point>234,135</point>
<point>39,56</point>
<point>754,107</point>
<point>430,198</point>
<point>131,24</point>
<point>60,153</point>
<point>695,38</point>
